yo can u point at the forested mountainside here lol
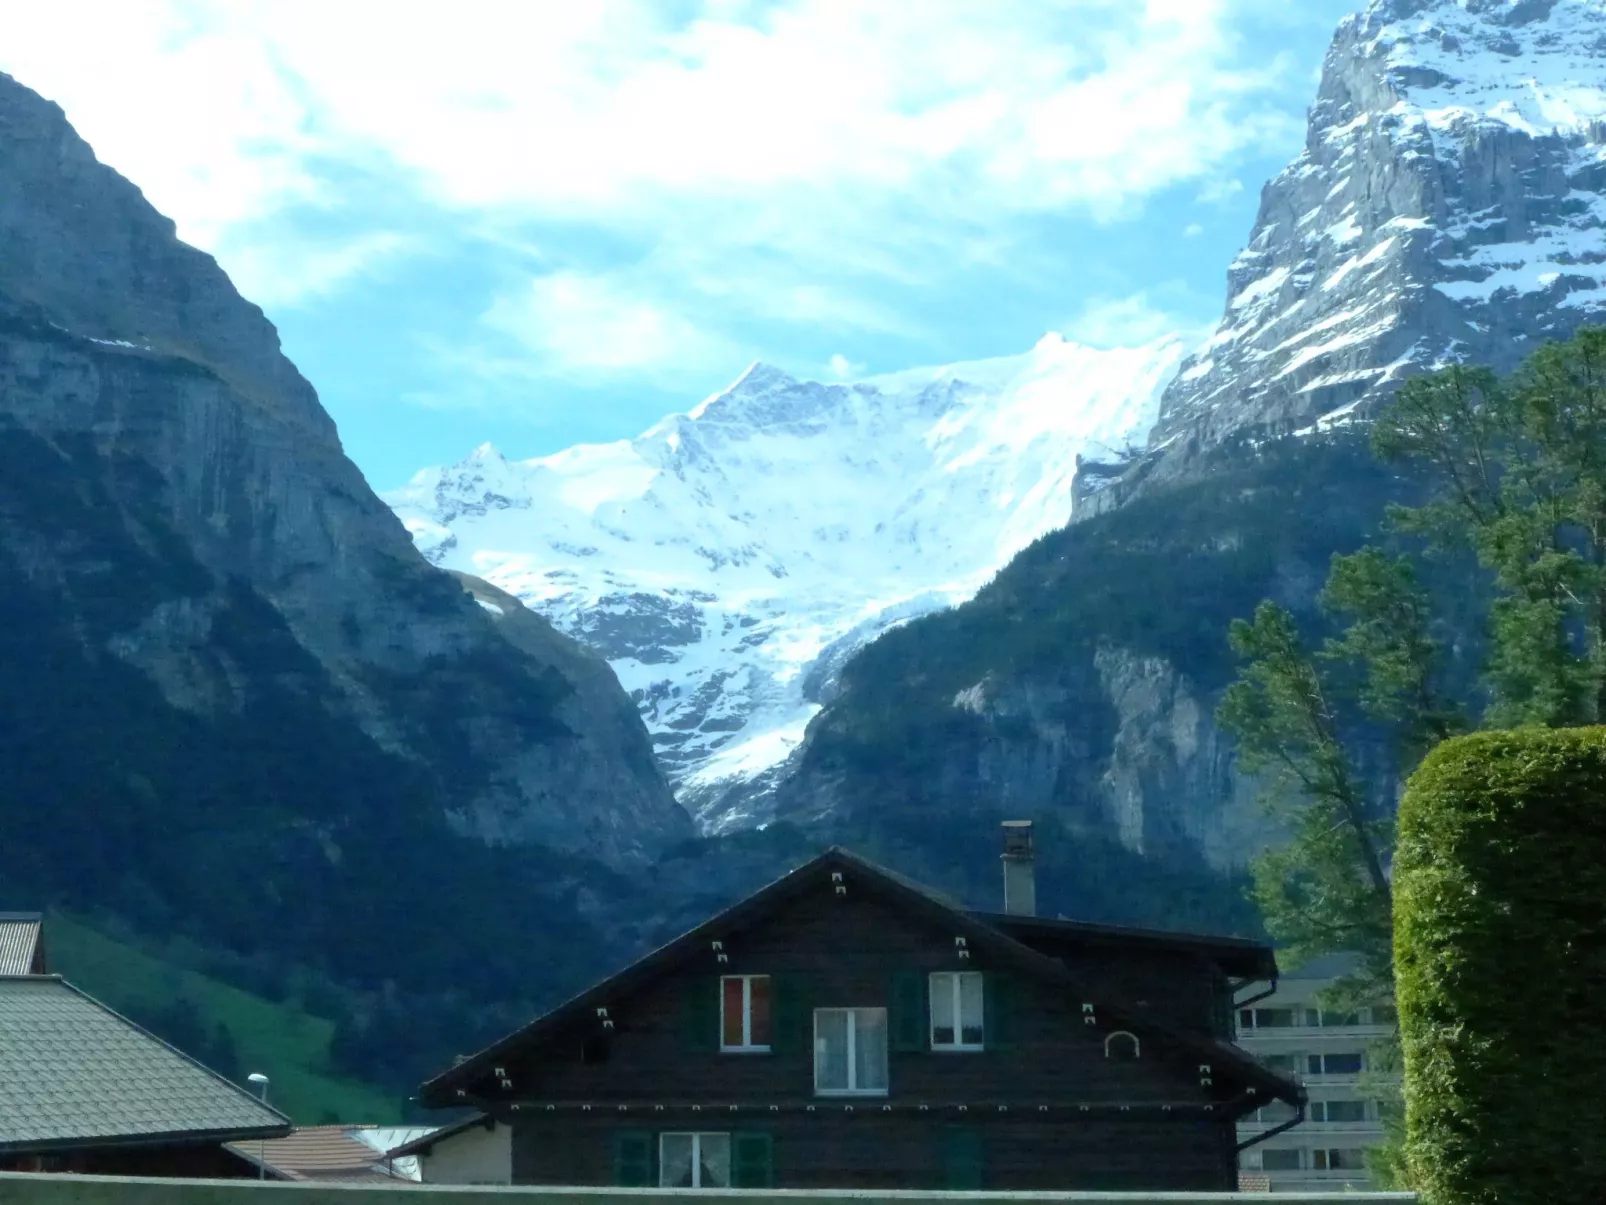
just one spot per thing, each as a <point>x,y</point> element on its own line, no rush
<point>237,708</point>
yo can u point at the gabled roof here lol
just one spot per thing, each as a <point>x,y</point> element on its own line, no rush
<point>904,893</point>
<point>21,952</point>
<point>74,1073</point>
<point>1237,956</point>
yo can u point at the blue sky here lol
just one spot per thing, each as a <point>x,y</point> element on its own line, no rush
<point>540,222</point>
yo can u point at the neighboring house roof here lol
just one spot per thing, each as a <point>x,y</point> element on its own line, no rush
<point>423,1144</point>
<point>910,896</point>
<point>384,1139</point>
<point>74,1073</point>
<point>327,1152</point>
<point>1237,956</point>
<point>21,952</point>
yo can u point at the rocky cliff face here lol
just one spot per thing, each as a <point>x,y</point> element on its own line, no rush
<point>175,500</point>
<point>1447,207</point>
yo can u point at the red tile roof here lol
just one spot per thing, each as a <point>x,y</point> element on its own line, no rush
<point>317,1153</point>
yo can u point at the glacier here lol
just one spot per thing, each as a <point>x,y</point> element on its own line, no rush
<point>729,559</point>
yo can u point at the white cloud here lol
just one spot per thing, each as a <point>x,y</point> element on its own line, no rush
<point>1129,322</point>
<point>587,324</point>
<point>843,369</point>
<point>609,108</point>
<point>292,273</point>
<point>1192,230</point>
<point>779,161</point>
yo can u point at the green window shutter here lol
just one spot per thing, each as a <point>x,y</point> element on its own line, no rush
<point>792,1015</point>
<point>632,1159</point>
<point>752,1161</point>
<point>907,1006</point>
<point>699,1013</point>
<point>1000,1011</point>
<point>962,1159</point>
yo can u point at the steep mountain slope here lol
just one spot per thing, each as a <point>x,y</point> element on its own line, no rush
<point>235,704</point>
<point>1447,207</point>
<point>730,559</point>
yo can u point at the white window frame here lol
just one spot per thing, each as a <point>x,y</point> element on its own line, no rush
<point>958,1044</point>
<point>696,1137</point>
<point>747,1046</point>
<point>853,1052</point>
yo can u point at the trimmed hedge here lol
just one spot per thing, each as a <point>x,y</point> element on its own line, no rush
<point>1500,963</point>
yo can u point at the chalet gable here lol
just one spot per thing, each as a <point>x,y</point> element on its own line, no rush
<point>489,1075</point>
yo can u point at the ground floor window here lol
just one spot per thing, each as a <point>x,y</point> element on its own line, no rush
<point>694,1160</point>
<point>1281,1159</point>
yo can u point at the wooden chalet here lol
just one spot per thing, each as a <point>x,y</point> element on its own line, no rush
<point>846,1028</point>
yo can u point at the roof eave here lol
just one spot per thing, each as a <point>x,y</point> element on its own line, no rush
<point>171,1138</point>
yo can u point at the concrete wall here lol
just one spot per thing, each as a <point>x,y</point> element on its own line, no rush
<point>19,1189</point>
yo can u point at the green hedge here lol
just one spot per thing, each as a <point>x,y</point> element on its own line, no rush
<point>1500,949</point>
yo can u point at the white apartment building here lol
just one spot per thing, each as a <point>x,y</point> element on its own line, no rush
<point>1291,1032</point>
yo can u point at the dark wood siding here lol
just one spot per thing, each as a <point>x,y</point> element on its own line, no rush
<point>876,1152</point>
<point>827,950</point>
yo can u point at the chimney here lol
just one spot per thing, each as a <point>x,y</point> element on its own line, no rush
<point>1020,877</point>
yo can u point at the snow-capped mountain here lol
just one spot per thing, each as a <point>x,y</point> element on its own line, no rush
<point>730,558</point>
<point>1448,206</point>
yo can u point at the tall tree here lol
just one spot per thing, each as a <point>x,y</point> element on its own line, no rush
<point>1519,474</point>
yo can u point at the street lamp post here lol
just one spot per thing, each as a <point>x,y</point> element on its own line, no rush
<point>261,1083</point>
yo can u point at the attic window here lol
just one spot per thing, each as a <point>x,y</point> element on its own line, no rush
<point>744,1008</point>
<point>956,1010</point>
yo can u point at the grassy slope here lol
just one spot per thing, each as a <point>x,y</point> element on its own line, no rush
<point>291,1047</point>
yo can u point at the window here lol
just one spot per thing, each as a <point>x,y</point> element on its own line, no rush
<point>1338,1110</point>
<point>1331,1160</point>
<point>1275,1113</point>
<point>694,1161</point>
<point>1288,1064</point>
<point>850,1051</point>
<point>744,1012</point>
<point>1281,1159</point>
<point>1266,1018</point>
<point>1346,1063</point>
<point>1384,1014</point>
<point>956,1010</point>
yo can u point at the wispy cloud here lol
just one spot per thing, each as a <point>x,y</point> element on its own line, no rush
<point>1137,318</point>
<point>758,162</point>
<point>293,272</point>
<point>583,324</point>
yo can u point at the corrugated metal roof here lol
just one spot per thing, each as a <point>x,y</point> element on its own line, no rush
<point>332,1152</point>
<point>19,942</point>
<point>72,1072</point>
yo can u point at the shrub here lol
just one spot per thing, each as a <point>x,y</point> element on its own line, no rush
<point>1500,954</point>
